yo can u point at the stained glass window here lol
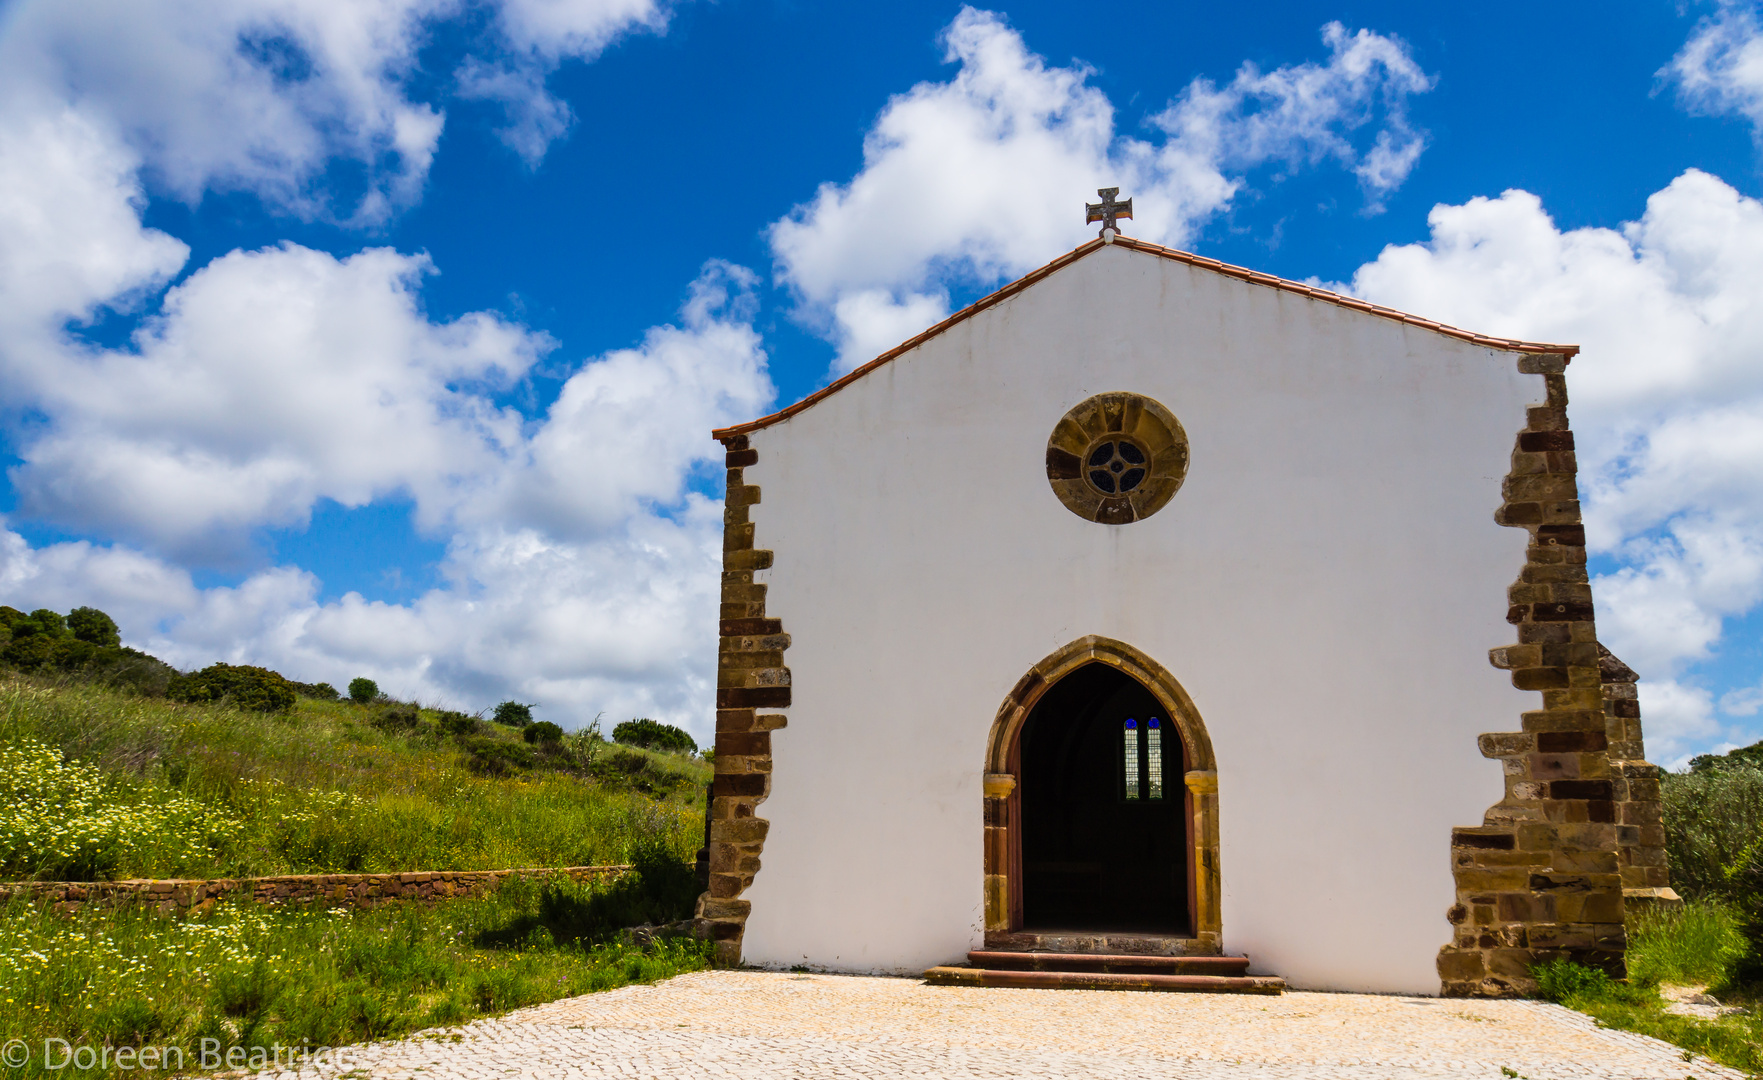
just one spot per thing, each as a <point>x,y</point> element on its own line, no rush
<point>1154,758</point>
<point>1130,739</point>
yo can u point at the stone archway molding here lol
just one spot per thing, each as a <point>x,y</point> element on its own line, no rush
<point>1002,805</point>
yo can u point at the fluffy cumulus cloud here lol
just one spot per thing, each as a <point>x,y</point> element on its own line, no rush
<point>1720,68</point>
<point>346,391</point>
<point>973,178</point>
<point>1667,406</point>
<point>581,570</point>
<point>623,623</point>
<point>295,100</point>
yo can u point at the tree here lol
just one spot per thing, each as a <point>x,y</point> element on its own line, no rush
<point>362,691</point>
<point>513,714</point>
<point>93,626</point>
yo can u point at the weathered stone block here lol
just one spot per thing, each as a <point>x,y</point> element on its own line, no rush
<point>1457,965</point>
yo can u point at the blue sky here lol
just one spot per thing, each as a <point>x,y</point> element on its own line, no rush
<point>384,337</point>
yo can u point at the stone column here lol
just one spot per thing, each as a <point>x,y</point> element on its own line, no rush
<point>1208,919</point>
<point>998,787</point>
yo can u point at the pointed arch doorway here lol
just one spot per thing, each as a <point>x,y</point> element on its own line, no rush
<point>1101,804</point>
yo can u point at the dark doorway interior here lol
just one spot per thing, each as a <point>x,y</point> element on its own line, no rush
<point>1104,836</point>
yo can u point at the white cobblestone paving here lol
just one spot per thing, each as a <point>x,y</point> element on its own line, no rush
<point>747,1024</point>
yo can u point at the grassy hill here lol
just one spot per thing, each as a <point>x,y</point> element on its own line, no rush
<point>114,765</point>
<point>99,783</point>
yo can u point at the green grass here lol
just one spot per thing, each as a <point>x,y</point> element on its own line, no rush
<point>1704,944</point>
<point>251,976</point>
<point>103,783</point>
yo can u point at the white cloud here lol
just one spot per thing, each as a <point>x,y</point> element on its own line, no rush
<point>1679,720</point>
<point>1745,701</point>
<point>267,380</point>
<point>276,97</point>
<point>1303,114</point>
<point>1667,398</point>
<point>623,624</point>
<point>627,429</point>
<point>979,178</point>
<point>581,573</point>
<point>71,239</point>
<point>1720,68</point>
<point>540,35</point>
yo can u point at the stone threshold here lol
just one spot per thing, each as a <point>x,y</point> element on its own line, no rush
<point>1099,942</point>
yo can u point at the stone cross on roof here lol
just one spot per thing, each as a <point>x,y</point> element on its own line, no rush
<point>1107,210</point>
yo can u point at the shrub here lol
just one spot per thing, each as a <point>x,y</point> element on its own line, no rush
<point>543,732</point>
<point>652,736</point>
<point>39,622</point>
<point>1714,832</point>
<point>362,691</point>
<point>93,627</point>
<point>397,718</point>
<point>494,757</point>
<point>513,714</point>
<point>322,691</point>
<point>459,724</point>
<point>132,669</point>
<point>254,688</point>
<point>1562,980</point>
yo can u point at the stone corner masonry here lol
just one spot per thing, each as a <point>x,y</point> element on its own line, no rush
<point>1543,877</point>
<point>750,676</point>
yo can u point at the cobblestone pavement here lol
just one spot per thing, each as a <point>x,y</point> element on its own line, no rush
<point>747,1024</point>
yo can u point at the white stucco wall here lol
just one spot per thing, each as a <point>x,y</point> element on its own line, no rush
<point>1325,585</point>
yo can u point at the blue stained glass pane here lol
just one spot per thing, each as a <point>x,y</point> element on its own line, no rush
<point>1131,724</point>
<point>1152,722</point>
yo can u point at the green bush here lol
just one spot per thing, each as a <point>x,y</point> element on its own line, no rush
<point>543,732</point>
<point>322,691</point>
<point>93,627</point>
<point>650,735</point>
<point>84,645</point>
<point>1714,832</point>
<point>41,622</point>
<point>362,691</point>
<point>513,714</point>
<point>488,756</point>
<point>397,718</point>
<point>458,724</point>
<point>254,688</point>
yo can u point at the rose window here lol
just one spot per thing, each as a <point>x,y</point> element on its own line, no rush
<point>1117,458</point>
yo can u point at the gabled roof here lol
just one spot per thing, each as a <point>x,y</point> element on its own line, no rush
<point>1254,277</point>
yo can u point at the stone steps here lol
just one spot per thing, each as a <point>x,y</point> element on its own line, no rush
<point>1094,971</point>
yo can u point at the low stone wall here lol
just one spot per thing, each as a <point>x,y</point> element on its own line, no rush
<point>183,895</point>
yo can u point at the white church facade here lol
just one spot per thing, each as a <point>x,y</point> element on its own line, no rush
<point>1145,608</point>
